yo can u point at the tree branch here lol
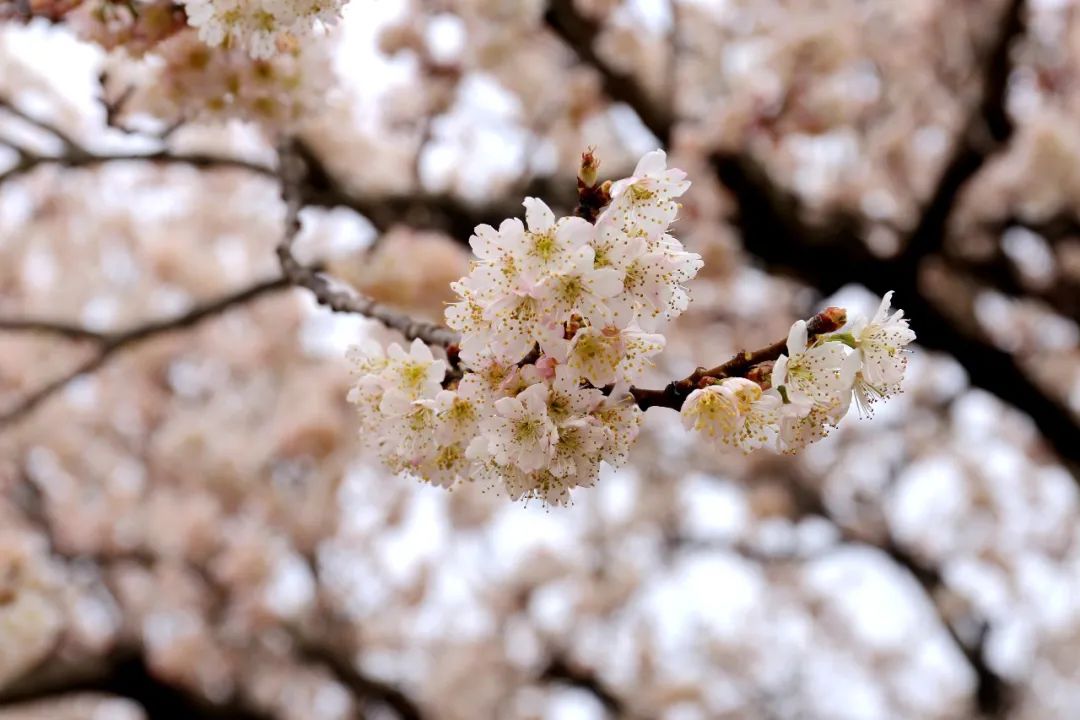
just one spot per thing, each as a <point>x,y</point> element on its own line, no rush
<point>675,393</point>
<point>560,670</point>
<point>579,33</point>
<point>339,299</point>
<point>108,344</point>
<point>125,674</point>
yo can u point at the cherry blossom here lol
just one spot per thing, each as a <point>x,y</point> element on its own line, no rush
<point>559,319</point>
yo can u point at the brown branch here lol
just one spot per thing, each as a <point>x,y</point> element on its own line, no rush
<point>108,344</point>
<point>986,131</point>
<point>579,32</point>
<point>675,393</point>
<point>53,678</point>
<point>67,140</point>
<point>444,212</point>
<point>29,161</point>
<point>124,673</point>
<point>339,299</point>
<point>76,155</point>
<point>57,328</point>
<point>561,670</point>
<point>361,685</point>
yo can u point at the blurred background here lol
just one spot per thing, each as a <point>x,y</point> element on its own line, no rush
<point>189,528</point>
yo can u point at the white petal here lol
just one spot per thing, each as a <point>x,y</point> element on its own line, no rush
<point>574,232</point>
<point>606,282</point>
<point>509,407</point>
<point>652,163</point>
<point>538,215</point>
<point>420,351</point>
<point>796,339</point>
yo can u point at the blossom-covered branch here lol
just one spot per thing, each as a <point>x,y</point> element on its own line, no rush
<point>558,318</point>
<point>742,364</point>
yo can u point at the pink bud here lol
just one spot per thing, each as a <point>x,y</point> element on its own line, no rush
<point>545,367</point>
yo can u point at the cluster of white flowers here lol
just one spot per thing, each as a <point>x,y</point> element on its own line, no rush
<point>262,28</point>
<point>590,296</point>
<point>810,388</point>
<point>534,428</point>
<point>558,318</point>
<point>188,80</point>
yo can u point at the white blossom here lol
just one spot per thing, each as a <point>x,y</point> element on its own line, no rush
<point>523,434</point>
<point>818,375</point>
<point>559,318</point>
<point>881,343</point>
<point>259,27</point>
<point>608,355</point>
<point>734,411</point>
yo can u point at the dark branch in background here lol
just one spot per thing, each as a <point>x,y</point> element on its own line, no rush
<point>560,670</point>
<point>123,674</point>
<point>75,155</point>
<point>986,131</point>
<point>108,344</point>
<point>65,139</point>
<point>362,686</point>
<point>580,33</point>
<point>831,254</point>
<point>126,666</point>
<point>446,213</point>
<point>993,694</point>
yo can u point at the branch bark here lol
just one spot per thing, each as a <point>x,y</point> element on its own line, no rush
<point>339,299</point>
<point>124,674</point>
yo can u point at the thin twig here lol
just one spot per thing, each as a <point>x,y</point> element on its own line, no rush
<point>675,393</point>
<point>71,145</point>
<point>201,161</point>
<point>339,298</point>
<point>108,344</point>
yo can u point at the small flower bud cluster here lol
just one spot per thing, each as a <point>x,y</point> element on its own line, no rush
<point>809,389</point>
<point>261,28</point>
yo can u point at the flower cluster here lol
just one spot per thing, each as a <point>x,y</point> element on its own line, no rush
<point>559,318</point>
<point>262,28</point>
<point>189,80</point>
<point>590,296</point>
<point>137,27</point>
<point>533,428</point>
<point>809,389</point>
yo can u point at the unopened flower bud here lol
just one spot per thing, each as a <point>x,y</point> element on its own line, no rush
<point>590,165</point>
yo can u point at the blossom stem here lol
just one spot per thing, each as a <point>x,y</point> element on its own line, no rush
<point>675,393</point>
